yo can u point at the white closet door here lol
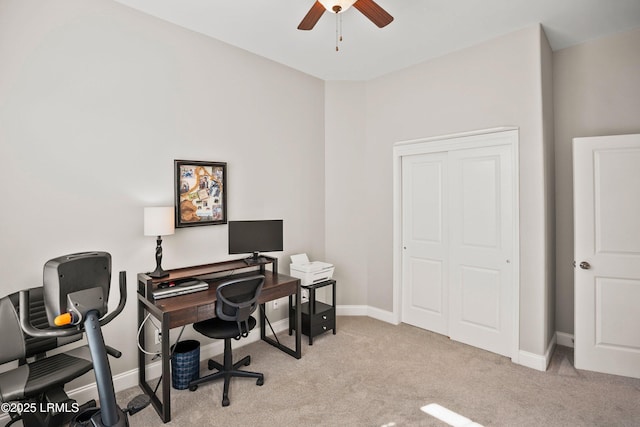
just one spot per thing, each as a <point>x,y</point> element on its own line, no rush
<point>607,252</point>
<point>481,247</point>
<point>425,247</point>
<point>458,225</point>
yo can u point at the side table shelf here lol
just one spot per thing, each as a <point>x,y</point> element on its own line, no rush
<point>317,317</point>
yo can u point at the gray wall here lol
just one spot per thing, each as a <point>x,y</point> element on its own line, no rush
<point>497,83</point>
<point>586,90</point>
<point>97,100</point>
<point>546,77</point>
<point>346,183</point>
<point>596,89</point>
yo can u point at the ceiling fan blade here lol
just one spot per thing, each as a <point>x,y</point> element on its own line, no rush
<point>374,12</point>
<point>312,17</point>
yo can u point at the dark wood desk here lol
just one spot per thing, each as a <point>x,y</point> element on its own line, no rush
<point>187,309</point>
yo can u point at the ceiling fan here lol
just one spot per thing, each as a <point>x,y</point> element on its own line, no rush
<point>368,8</point>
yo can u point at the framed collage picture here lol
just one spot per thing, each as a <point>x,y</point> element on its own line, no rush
<point>201,193</point>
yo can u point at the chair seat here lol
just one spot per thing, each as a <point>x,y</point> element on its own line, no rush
<point>222,329</point>
<point>31,379</point>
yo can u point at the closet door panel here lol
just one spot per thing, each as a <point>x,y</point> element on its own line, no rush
<point>425,248</point>
<point>481,227</point>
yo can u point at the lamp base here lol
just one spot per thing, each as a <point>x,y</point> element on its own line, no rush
<point>158,273</point>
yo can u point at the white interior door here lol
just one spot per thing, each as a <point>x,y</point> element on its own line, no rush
<point>424,261</point>
<point>481,248</point>
<point>607,254</point>
<point>458,224</point>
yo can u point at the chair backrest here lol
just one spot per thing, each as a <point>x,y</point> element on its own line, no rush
<point>16,345</point>
<point>237,299</point>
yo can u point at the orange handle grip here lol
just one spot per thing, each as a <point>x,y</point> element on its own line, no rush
<point>63,319</point>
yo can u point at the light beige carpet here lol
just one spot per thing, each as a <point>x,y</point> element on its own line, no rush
<point>374,374</point>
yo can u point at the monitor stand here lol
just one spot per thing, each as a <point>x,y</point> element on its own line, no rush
<point>254,260</point>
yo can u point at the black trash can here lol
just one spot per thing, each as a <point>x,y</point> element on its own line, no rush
<point>185,363</point>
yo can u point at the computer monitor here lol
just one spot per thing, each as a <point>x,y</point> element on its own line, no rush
<point>255,237</point>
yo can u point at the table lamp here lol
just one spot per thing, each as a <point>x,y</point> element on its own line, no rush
<point>159,221</point>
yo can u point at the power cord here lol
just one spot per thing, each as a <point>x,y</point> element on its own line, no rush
<point>140,331</point>
<point>157,353</point>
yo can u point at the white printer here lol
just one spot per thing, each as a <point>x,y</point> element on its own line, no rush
<point>310,272</point>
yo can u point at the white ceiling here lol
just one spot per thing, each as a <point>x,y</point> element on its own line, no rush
<point>421,30</point>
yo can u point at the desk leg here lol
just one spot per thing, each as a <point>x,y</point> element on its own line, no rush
<point>297,353</point>
<point>312,312</point>
<point>263,330</point>
<point>166,372</point>
<point>335,321</point>
<point>291,324</point>
<point>142,374</point>
<point>163,408</point>
<point>299,322</point>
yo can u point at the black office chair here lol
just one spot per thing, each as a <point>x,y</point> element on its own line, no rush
<point>39,383</point>
<point>237,299</point>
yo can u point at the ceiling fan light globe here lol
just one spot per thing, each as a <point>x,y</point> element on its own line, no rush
<point>342,5</point>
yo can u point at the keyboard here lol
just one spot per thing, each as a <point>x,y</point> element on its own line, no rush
<point>178,287</point>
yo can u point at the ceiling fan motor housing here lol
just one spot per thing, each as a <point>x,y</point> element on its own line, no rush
<point>368,8</point>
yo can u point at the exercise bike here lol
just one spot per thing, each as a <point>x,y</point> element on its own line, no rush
<point>76,292</point>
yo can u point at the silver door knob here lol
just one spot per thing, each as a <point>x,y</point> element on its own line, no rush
<point>585,265</point>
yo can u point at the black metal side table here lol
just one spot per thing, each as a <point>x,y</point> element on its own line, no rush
<point>317,317</point>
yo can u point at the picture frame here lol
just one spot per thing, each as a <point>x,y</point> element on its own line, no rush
<point>200,193</point>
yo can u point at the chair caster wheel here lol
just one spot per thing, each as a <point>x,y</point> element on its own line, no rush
<point>210,365</point>
<point>260,381</point>
<point>248,362</point>
<point>225,402</point>
<point>193,387</point>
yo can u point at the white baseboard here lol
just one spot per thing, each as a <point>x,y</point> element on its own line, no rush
<point>365,310</point>
<point>537,361</point>
<point>565,339</point>
<point>351,310</point>
<point>531,360</point>
<point>383,315</point>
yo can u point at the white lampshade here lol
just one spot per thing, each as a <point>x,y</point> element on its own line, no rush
<point>344,4</point>
<point>159,221</point>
